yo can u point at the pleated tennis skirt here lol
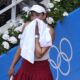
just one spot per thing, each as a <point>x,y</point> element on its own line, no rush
<point>40,70</point>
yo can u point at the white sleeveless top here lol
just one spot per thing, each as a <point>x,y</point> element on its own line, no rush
<point>44,57</point>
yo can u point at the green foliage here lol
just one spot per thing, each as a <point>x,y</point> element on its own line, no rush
<point>62,6</point>
<point>11,33</point>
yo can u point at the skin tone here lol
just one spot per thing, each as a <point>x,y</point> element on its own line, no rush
<point>39,51</point>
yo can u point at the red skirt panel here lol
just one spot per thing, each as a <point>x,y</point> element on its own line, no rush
<point>40,70</point>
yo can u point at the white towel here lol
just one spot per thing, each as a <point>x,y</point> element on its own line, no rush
<point>27,42</point>
<point>11,78</point>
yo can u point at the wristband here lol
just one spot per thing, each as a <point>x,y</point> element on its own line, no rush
<point>36,36</point>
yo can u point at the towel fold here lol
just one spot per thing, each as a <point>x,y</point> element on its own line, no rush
<point>27,42</point>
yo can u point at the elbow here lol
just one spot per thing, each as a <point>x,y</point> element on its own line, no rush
<point>39,55</point>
